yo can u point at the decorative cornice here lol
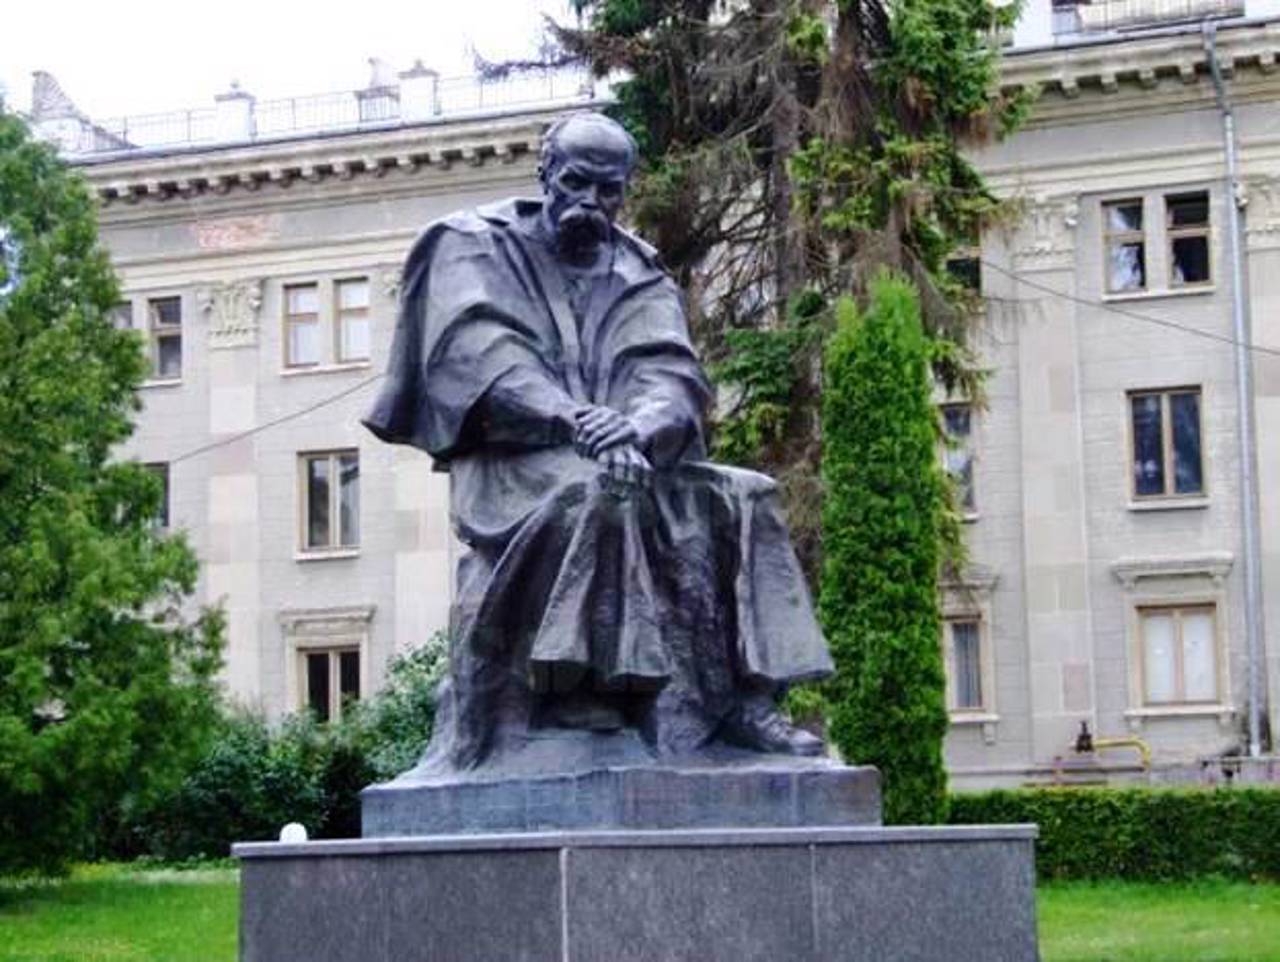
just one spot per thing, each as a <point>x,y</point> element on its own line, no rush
<point>975,579</point>
<point>1215,565</point>
<point>313,622</point>
<point>1139,63</point>
<point>409,151</point>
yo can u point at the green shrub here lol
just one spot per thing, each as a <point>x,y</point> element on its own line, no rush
<point>393,729</point>
<point>256,776</point>
<point>882,527</point>
<point>1140,833</point>
<point>252,781</point>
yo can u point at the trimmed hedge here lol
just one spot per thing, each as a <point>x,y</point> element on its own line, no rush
<point>1140,833</point>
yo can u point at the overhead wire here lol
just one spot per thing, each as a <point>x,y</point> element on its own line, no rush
<point>276,422</point>
<point>1012,275</point>
<point>1114,308</point>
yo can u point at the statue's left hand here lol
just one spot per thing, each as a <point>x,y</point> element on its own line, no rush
<point>627,469</point>
<point>600,428</point>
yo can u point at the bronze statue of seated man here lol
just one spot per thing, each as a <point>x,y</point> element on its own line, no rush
<point>616,581</point>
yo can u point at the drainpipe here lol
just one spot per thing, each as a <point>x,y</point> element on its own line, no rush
<point>1244,407</point>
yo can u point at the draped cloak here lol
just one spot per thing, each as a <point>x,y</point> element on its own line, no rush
<point>681,593</point>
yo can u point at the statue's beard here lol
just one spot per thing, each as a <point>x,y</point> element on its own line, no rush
<point>579,229</point>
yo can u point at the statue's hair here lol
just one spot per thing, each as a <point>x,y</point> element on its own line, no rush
<point>551,153</point>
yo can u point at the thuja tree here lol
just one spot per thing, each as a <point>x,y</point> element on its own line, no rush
<point>106,689</point>
<point>884,519</point>
<point>791,147</point>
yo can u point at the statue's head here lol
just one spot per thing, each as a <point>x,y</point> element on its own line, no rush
<point>586,161</point>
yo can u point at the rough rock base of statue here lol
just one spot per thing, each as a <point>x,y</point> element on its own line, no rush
<point>733,856</point>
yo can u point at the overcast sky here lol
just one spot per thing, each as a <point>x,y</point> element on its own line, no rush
<point>141,56</point>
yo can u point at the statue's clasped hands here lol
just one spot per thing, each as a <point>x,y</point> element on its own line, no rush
<point>610,438</point>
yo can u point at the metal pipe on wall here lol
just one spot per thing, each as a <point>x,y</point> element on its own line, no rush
<point>1244,407</point>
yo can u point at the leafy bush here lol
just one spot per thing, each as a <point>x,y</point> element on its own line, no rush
<point>1140,833</point>
<point>256,776</point>
<point>882,526</point>
<point>252,781</point>
<point>394,727</point>
<point>380,738</point>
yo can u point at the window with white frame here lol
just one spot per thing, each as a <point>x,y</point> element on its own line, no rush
<point>164,327</point>
<point>1126,246</point>
<point>962,637</point>
<point>968,652</point>
<point>1165,443</point>
<point>330,680</point>
<point>353,319</point>
<point>1179,654</point>
<point>957,453</point>
<point>330,500</point>
<point>1187,234</point>
<point>301,325</point>
<point>326,668</point>
<point>327,323</point>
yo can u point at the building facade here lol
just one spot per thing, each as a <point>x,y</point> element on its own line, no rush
<point>1106,584</point>
<point>261,268</point>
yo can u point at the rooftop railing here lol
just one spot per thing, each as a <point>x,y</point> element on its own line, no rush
<point>429,99</point>
<point>174,127</point>
<point>1097,16</point>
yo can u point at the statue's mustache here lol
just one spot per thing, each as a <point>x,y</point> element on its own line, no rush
<point>583,223</point>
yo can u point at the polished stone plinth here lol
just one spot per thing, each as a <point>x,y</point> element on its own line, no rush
<point>768,792</point>
<point>870,894</point>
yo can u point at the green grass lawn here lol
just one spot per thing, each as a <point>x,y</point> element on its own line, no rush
<point>1131,922</point>
<point>115,913</point>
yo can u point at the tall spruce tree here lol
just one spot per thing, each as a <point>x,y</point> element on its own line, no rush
<point>106,688</point>
<point>791,150</point>
<point>883,523</point>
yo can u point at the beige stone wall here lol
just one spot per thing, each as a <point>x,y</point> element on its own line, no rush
<point>1075,555</point>
<point>228,253</point>
<point>1060,554</point>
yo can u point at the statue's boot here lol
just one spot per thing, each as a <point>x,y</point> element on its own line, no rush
<point>580,709</point>
<point>758,724</point>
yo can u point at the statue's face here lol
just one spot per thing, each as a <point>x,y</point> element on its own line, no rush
<point>585,184</point>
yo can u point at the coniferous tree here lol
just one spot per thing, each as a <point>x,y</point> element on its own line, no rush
<point>106,689</point>
<point>883,518</point>
<point>791,150</point>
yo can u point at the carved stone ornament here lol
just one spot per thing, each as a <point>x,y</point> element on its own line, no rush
<point>389,281</point>
<point>232,310</point>
<point>1045,239</point>
<point>1262,218</point>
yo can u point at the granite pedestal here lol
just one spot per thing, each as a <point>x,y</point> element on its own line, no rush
<point>867,894</point>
